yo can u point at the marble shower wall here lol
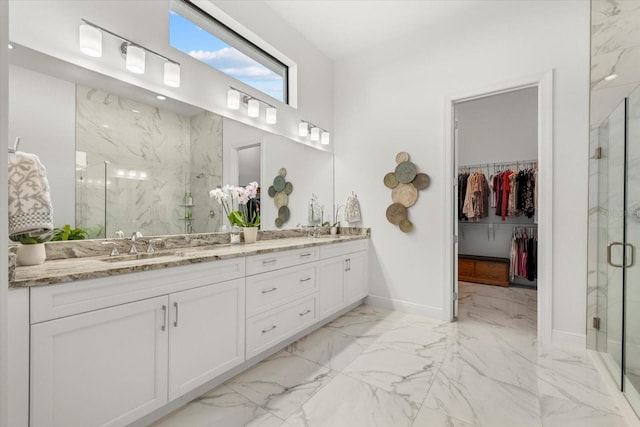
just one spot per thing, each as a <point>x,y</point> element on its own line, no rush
<point>138,160</point>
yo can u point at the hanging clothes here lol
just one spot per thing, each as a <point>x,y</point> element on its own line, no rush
<point>524,255</point>
<point>473,196</point>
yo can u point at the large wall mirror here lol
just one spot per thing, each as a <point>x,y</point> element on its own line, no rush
<point>119,158</point>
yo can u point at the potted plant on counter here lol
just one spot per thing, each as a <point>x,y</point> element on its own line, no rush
<point>31,250</point>
<point>241,208</point>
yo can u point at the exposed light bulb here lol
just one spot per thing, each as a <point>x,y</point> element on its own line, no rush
<point>90,40</point>
<point>161,97</point>
<point>611,77</point>
<point>324,138</point>
<point>233,99</point>
<point>303,129</point>
<point>135,59</point>
<point>315,134</point>
<point>172,74</point>
<point>10,46</point>
<point>271,115</point>
<point>253,108</point>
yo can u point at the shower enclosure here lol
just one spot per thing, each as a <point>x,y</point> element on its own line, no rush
<point>615,299</point>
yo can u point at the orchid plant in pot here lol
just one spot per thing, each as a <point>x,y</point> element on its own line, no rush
<point>241,207</point>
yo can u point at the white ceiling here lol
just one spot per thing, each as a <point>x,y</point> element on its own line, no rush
<point>340,28</point>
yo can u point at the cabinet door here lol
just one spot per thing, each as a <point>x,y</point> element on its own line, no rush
<point>332,271</point>
<point>103,368</point>
<point>355,283</point>
<point>206,334</point>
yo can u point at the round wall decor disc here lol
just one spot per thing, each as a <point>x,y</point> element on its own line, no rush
<point>402,157</point>
<point>278,183</point>
<point>406,225</point>
<point>288,188</point>
<point>284,213</point>
<point>278,222</point>
<point>405,172</point>
<point>396,213</point>
<point>421,181</point>
<point>281,199</point>
<point>405,194</point>
<point>282,172</point>
<point>390,180</point>
<point>271,191</point>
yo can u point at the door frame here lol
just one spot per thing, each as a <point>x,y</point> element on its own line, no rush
<point>544,83</point>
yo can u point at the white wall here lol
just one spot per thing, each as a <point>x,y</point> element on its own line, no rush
<point>498,128</point>
<point>42,112</point>
<point>4,237</point>
<point>391,99</point>
<point>52,27</point>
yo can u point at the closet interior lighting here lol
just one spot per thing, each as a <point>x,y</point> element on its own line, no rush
<point>234,96</point>
<point>315,132</point>
<point>90,43</point>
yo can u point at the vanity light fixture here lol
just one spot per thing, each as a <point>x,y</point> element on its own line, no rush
<point>315,132</point>
<point>271,115</point>
<point>324,138</point>
<point>303,128</point>
<point>253,108</point>
<point>90,40</point>
<point>91,44</point>
<point>234,97</point>
<point>611,77</point>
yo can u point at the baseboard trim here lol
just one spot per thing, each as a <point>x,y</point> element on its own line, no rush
<point>569,339</point>
<point>407,307</point>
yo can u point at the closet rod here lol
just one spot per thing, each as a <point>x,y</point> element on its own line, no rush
<point>498,224</point>
<point>514,163</point>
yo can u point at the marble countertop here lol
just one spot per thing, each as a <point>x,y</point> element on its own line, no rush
<point>83,268</point>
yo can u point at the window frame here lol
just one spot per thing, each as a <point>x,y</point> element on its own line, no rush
<point>234,39</point>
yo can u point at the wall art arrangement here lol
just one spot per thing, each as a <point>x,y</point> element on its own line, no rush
<point>404,182</point>
<point>280,191</point>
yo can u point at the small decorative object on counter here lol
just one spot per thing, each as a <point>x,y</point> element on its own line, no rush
<point>31,250</point>
<point>234,236</point>
<point>189,200</point>
<point>404,182</point>
<point>250,234</point>
<point>280,191</point>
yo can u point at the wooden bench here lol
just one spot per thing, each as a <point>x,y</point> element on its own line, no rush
<point>482,269</point>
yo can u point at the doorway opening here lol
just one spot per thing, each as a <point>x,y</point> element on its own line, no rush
<point>498,234</point>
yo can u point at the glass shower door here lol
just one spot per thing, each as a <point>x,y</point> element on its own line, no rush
<point>611,233</point>
<point>632,239</point>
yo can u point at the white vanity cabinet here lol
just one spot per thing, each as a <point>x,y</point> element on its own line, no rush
<point>282,296</point>
<point>111,366</point>
<point>206,334</point>
<point>343,275</point>
<point>102,368</point>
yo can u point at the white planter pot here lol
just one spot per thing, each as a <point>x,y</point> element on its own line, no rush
<point>31,254</point>
<point>250,234</point>
<point>333,231</point>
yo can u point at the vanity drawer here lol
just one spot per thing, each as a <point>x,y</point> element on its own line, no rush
<point>343,248</point>
<point>269,290</point>
<point>268,329</point>
<point>257,264</point>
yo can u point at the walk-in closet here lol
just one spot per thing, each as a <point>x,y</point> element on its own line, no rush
<point>496,199</point>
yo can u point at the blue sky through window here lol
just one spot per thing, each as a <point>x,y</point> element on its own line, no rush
<point>188,37</point>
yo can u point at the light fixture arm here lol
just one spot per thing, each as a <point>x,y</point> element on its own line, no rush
<point>247,97</point>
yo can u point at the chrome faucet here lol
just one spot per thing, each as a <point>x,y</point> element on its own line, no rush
<point>134,237</point>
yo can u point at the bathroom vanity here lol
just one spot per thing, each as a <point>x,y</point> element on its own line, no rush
<point>106,342</point>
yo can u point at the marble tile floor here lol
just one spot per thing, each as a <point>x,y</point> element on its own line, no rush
<point>374,367</point>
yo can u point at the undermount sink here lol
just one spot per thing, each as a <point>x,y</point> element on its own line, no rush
<point>140,256</point>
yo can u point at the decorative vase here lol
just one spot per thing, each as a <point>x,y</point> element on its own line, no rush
<point>333,231</point>
<point>250,234</point>
<point>31,254</point>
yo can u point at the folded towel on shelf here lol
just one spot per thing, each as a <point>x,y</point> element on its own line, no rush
<point>352,209</point>
<point>30,210</point>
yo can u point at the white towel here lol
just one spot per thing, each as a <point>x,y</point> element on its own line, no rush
<point>352,209</point>
<point>30,210</point>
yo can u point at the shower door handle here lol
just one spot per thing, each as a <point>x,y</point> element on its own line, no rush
<point>631,251</point>
<point>609,246</point>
